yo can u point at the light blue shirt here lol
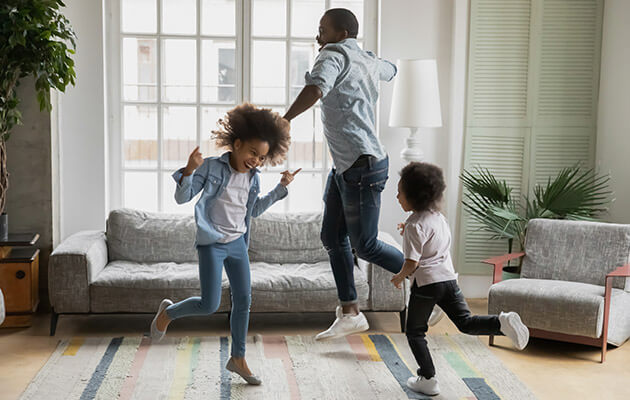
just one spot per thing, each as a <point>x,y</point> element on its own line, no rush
<point>348,78</point>
<point>213,176</point>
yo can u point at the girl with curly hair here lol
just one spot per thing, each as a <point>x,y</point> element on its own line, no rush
<point>230,185</point>
<point>426,248</point>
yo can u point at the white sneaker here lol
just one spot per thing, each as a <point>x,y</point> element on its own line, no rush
<point>436,315</point>
<point>344,325</point>
<point>157,334</point>
<point>513,327</point>
<point>423,385</point>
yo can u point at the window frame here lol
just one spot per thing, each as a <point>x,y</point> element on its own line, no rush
<point>114,85</point>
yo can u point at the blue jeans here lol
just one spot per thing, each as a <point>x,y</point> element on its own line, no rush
<point>352,206</point>
<point>211,259</point>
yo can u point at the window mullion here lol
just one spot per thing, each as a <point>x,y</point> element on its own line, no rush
<point>159,105</point>
<point>198,74</point>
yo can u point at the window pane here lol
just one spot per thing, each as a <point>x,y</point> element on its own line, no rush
<point>305,193</point>
<point>169,205</point>
<point>139,16</point>
<point>218,17</point>
<point>141,190</point>
<point>301,150</point>
<point>305,16</point>
<point>179,78</point>
<point>269,17</point>
<point>139,69</point>
<point>268,72</point>
<point>302,58</point>
<point>320,148</point>
<point>179,16</point>
<point>180,135</point>
<point>218,71</point>
<point>268,181</point>
<point>140,136</point>
<point>209,118</point>
<point>356,6</point>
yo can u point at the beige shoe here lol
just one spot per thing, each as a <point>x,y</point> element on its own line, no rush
<point>157,334</point>
<point>251,379</point>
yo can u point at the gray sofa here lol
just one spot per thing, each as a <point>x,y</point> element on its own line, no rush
<point>145,257</point>
<point>574,283</point>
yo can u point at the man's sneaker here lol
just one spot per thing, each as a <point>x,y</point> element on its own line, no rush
<point>157,334</point>
<point>344,325</point>
<point>513,327</point>
<point>423,385</point>
<point>436,315</point>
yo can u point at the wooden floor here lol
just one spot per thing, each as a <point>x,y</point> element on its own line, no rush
<point>552,370</point>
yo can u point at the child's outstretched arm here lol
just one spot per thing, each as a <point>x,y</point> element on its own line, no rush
<point>278,193</point>
<point>190,180</point>
<point>408,268</point>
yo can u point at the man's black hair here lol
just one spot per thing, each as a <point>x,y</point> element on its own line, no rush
<point>344,20</point>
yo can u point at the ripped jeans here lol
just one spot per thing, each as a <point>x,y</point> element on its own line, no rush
<point>351,210</point>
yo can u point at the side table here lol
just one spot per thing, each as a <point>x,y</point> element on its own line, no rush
<point>19,278</point>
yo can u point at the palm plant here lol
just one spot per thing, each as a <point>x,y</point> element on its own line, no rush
<point>574,194</point>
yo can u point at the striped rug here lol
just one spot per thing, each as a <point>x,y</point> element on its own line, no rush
<point>370,366</point>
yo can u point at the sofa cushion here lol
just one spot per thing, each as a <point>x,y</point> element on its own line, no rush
<point>571,308</point>
<point>124,286</point>
<point>576,251</point>
<point>300,287</point>
<point>146,237</point>
<point>287,238</point>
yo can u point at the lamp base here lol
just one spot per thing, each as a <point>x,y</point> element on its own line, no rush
<point>413,152</point>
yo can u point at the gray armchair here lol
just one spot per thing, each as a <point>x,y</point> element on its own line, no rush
<point>574,283</point>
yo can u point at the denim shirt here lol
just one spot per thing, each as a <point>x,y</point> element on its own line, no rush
<point>348,78</point>
<point>213,176</point>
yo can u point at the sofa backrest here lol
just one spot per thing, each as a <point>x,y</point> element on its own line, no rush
<point>140,236</point>
<point>576,251</point>
<point>287,238</point>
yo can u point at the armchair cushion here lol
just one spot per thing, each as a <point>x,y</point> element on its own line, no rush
<point>571,308</point>
<point>576,251</point>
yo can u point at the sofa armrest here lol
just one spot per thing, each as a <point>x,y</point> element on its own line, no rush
<point>384,296</point>
<point>73,266</point>
<point>498,263</point>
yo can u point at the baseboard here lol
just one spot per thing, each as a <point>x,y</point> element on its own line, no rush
<point>475,286</point>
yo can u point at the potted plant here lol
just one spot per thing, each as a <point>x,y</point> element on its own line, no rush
<point>34,41</point>
<point>574,193</point>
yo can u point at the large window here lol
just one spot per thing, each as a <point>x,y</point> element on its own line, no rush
<point>176,67</point>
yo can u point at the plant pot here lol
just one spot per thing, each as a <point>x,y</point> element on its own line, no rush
<point>4,227</point>
<point>511,272</point>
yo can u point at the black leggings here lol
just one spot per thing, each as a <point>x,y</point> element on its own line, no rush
<point>449,297</point>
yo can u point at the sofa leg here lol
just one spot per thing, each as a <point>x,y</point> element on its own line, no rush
<point>403,320</point>
<point>53,322</point>
<point>604,346</point>
<point>491,340</point>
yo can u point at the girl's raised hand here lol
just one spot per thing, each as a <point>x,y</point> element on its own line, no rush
<point>194,160</point>
<point>287,177</point>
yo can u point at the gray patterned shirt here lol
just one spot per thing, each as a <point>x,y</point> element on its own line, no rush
<point>348,78</point>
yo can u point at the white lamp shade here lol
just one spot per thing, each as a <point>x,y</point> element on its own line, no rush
<point>416,98</point>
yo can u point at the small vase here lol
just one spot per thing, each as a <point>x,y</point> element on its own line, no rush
<point>4,227</point>
<point>510,273</point>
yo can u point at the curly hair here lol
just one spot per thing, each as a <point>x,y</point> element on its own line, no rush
<point>423,185</point>
<point>246,122</point>
<point>344,20</point>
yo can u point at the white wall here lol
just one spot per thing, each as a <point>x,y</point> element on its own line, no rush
<point>80,115</point>
<point>429,29</point>
<point>613,125</point>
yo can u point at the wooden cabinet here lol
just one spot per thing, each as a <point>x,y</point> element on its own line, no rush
<point>19,279</point>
